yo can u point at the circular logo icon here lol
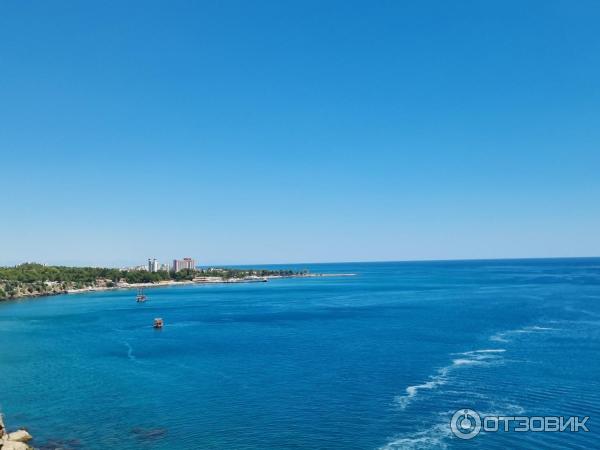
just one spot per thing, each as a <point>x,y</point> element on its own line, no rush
<point>465,424</point>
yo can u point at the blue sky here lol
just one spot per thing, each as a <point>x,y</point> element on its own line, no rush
<point>256,132</point>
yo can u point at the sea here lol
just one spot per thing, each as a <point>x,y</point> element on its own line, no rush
<point>382,359</point>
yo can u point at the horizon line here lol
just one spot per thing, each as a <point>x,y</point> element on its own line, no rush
<point>375,261</point>
<point>426,260</point>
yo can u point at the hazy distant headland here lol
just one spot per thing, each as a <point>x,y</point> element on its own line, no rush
<point>34,280</point>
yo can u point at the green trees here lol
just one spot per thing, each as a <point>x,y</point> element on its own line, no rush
<point>38,273</point>
<point>141,276</point>
<point>9,289</point>
<point>38,279</point>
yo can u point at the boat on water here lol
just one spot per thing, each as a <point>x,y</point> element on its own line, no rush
<point>158,323</point>
<point>141,297</point>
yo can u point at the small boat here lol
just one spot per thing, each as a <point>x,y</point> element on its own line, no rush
<point>158,323</point>
<point>141,297</point>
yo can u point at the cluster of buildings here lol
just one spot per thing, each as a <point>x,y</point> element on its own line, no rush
<point>185,263</point>
<point>178,264</point>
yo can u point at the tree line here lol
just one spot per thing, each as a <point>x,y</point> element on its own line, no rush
<point>34,278</point>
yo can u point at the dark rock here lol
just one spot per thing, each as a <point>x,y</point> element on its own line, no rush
<point>149,434</point>
<point>60,444</point>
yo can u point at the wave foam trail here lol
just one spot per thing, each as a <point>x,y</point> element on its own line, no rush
<point>438,435</point>
<point>485,350</point>
<point>478,357</point>
<point>466,362</point>
<point>470,358</point>
<point>433,437</point>
<point>505,336</point>
<point>437,380</point>
<point>130,354</point>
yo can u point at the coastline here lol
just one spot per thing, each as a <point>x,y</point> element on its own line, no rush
<point>170,283</point>
<point>17,440</point>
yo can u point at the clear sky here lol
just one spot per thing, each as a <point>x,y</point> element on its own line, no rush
<point>306,131</point>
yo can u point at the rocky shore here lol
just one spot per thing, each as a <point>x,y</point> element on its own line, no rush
<point>52,288</point>
<point>17,440</point>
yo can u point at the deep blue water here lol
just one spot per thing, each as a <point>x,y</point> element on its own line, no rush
<point>378,360</point>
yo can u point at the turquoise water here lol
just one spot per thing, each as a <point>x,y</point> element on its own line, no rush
<point>378,360</point>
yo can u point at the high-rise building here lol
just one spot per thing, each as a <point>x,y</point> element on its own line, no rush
<point>185,263</point>
<point>189,263</point>
<point>152,265</point>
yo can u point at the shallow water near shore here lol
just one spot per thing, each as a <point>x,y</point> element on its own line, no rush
<point>378,360</point>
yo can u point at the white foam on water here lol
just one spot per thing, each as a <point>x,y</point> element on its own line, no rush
<point>436,436</point>
<point>499,337</point>
<point>466,362</point>
<point>505,336</point>
<point>411,391</point>
<point>432,438</point>
<point>485,350</point>
<point>130,354</point>
<point>471,358</point>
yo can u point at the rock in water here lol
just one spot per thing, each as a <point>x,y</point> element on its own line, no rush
<point>13,445</point>
<point>2,428</point>
<point>19,436</point>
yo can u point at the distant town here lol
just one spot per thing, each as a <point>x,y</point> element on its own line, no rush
<point>155,266</point>
<point>36,280</point>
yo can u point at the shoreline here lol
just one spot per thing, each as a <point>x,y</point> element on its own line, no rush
<point>170,283</point>
<point>17,440</point>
